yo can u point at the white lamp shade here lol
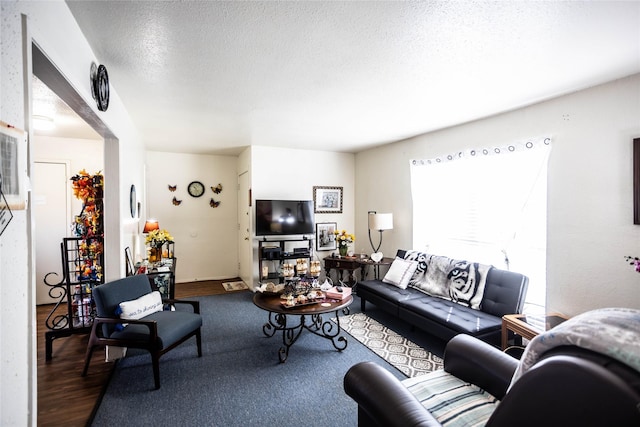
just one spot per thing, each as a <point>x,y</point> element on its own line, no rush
<point>380,221</point>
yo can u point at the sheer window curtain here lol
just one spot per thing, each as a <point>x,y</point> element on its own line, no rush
<point>486,205</point>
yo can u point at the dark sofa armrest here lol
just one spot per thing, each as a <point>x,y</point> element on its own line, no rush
<point>479,363</point>
<point>382,399</point>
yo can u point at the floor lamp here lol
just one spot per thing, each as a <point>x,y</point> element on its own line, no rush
<point>380,222</point>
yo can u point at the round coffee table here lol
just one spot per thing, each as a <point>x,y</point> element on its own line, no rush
<point>309,318</point>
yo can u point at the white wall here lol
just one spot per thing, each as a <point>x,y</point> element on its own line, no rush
<point>280,173</point>
<point>52,27</point>
<point>80,153</point>
<point>590,199</point>
<point>206,238</point>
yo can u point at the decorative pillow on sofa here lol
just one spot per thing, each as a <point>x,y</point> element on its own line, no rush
<point>459,281</point>
<point>139,308</point>
<point>400,272</point>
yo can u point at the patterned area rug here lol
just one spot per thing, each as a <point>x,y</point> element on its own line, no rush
<point>409,358</point>
<point>234,286</point>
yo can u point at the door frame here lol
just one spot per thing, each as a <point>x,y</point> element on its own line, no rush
<point>50,75</point>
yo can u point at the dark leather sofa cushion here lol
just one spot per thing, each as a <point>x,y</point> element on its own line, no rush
<point>384,295</point>
<point>454,316</point>
<point>504,292</point>
<point>390,292</point>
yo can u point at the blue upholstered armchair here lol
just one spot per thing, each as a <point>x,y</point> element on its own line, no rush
<point>130,314</point>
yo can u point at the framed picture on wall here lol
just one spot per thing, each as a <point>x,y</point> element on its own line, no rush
<point>13,165</point>
<point>636,181</point>
<point>327,199</point>
<point>325,237</point>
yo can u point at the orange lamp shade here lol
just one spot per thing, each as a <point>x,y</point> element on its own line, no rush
<point>150,225</point>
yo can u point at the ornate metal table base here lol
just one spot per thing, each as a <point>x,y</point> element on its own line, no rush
<point>325,329</point>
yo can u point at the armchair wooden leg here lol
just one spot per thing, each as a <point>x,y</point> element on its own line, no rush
<point>155,361</point>
<point>199,343</point>
<point>87,359</point>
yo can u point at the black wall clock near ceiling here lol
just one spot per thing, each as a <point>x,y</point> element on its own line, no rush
<point>133,203</point>
<point>100,86</point>
<point>195,189</point>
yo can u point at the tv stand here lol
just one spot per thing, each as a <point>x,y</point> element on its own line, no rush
<point>273,253</point>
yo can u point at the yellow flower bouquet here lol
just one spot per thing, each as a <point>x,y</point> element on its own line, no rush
<point>342,240</point>
<point>157,238</point>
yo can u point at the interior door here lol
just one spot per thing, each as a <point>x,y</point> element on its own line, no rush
<point>245,244</point>
<point>51,204</point>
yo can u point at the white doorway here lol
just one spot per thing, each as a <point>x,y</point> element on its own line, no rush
<point>51,202</point>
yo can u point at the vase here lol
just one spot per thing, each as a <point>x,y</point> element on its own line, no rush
<point>155,254</point>
<point>343,250</point>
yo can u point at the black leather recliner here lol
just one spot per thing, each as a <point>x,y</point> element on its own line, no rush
<point>568,386</point>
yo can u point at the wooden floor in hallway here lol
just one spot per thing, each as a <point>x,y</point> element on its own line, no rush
<point>64,397</point>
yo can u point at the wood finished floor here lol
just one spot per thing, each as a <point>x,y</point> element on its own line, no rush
<point>64,397</point>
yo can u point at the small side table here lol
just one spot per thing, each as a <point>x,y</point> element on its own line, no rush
<point>342,264</point>
<point>528,326</point>
<point>376,266</point>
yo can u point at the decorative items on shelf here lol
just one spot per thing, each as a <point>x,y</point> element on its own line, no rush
<point>315,269</point>
<point>81,305</point>
<point>82,261</point>
<point>301,266</point>
<point>295,286</point>
<point>287,270</point>
<point>343,239</point>
<point>88,224</point>
<point>156,240</point>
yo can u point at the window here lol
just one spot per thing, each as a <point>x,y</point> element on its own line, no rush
<point>486,205</point>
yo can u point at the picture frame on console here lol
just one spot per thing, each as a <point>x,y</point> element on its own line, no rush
<point>327,199</point>
<point>325,237</point>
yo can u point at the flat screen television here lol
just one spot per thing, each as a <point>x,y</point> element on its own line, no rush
<point>284,217</point>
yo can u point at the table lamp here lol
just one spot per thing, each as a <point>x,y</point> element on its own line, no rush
<point>150,225</point>
<point>380,222</point>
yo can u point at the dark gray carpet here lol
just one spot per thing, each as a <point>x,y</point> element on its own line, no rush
<point>239,380</point>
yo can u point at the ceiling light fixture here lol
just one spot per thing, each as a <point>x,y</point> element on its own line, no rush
<point>41,122</point>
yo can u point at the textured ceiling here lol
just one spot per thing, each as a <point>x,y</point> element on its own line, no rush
<point>212,77</point>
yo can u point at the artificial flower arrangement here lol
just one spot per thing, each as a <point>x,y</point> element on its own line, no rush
<point>343,239</point>
<point>157,238</point>
<point>87,187</point>
<point>88,225</point>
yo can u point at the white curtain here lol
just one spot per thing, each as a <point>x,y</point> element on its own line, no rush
<point>486,205</point>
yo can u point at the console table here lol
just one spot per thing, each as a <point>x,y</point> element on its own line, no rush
<point>352,264</point>
<point>342,264</point>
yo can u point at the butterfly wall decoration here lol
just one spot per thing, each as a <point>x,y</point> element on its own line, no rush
<point>176,202</point>
<point>172,188</point>
<point>213,203</point>
<point>217,189</point>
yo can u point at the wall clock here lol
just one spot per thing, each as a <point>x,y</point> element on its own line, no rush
<point>195,189</point>
<point>133,203</point>
<point>100,86</point>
